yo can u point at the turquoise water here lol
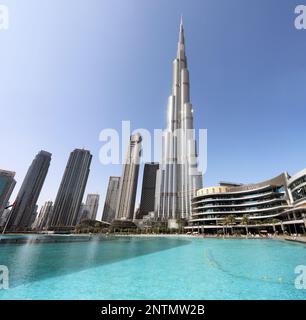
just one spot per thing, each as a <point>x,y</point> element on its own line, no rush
<point>154,268</point>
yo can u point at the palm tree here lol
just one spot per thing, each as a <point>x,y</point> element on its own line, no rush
<point>229,220</point>
<point>274,222</point>
<point>232,221</point>
<point>245,221</point>
<point>224,224</point>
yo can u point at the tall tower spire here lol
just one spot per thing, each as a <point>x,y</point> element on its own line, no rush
<point>181,36</point>
<point>179,177</point>
<point>181,42</point>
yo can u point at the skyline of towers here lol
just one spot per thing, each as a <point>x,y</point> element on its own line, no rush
<point>129,179</point>
<point>110,204</point>
<point>21,215</point>
<point>147,202</point>
<point>71,191</point>
<point>176,179</point>
<point>7,185</point>
<point>179,177</point>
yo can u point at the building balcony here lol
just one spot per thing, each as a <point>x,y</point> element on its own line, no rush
<point>218,198</point>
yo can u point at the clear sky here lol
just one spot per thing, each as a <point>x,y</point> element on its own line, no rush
<point>69,69</point>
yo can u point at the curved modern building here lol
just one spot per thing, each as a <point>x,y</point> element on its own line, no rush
<point>297,187</point>
<point>267,206</point>
<point>297,191</point>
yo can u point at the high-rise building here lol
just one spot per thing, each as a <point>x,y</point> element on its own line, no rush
<point>92,204</point>
<point>34,216</point>
<point>7,184</point>
<point>148,189</point>
<point>4,217</point>
<point>129,179</point>
<point>179,175</point>
<point>71,191</point>
<point>83,213</point>
<point>111,199</point>
<point>21,216</point>
<point>44,216</point>
<point>89,210</point>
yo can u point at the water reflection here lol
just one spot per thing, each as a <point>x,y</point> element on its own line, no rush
<point>30,262</point>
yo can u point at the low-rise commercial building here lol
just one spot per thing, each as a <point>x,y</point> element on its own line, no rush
<point>275,205</point>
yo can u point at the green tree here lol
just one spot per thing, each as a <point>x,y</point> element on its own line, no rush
<point>229,221</point>
<point>245,221</point>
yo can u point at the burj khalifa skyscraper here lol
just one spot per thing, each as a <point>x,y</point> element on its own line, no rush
<point>178,176</point>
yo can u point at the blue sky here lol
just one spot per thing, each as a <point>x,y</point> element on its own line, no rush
<point>69,69</point>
